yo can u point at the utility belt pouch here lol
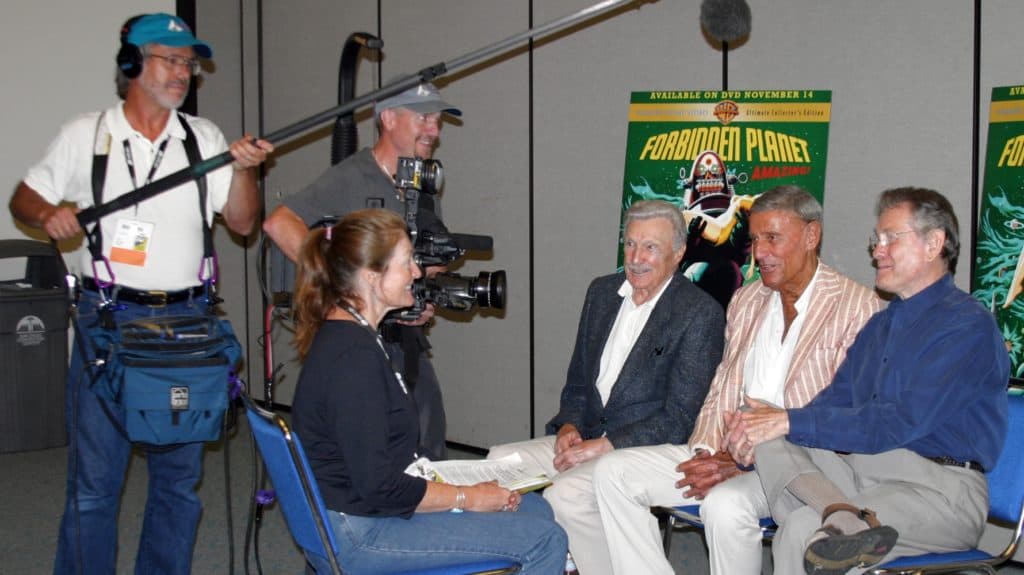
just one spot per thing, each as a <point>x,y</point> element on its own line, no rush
<point>169,375</point>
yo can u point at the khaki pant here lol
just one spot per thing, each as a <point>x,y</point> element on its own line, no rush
<point>935,508</point>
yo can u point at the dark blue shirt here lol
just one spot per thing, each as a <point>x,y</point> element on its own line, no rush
<point>928,374</point>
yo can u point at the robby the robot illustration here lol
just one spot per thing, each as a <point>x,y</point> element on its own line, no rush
<point>718,244</point>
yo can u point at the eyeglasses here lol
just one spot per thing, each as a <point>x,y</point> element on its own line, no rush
<point>885,239</point>
<point>191,64</point>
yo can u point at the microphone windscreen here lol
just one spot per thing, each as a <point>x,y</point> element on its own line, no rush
<point>470,242</point>
<point>725,20</point>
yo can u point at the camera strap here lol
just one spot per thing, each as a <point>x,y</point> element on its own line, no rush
<point>410,340</point>
<point>412,206</point>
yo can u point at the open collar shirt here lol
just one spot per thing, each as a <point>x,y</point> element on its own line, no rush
<point>767,362</point>
<point>629,322</point>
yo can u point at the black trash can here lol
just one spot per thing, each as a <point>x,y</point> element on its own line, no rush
<point>33,346</point>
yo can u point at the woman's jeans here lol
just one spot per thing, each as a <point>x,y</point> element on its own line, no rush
<point>528,536</point>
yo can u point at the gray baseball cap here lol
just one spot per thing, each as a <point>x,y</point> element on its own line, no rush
<point>422,99</point>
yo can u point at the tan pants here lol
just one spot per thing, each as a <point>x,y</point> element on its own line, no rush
<point>935,508</point>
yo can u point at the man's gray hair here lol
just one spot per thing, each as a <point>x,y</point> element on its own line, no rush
<point>649,209</point>
<point>931,211</point>
<point>793,199</point>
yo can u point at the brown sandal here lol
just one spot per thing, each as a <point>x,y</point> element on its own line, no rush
<point>837,553</point>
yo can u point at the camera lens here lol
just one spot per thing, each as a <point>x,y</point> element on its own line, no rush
<point>490,289</point>
<point>432,177</point>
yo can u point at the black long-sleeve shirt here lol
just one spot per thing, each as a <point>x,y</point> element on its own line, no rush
<point>357,424</point>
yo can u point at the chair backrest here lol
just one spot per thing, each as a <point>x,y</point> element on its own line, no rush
<point>294,483</point>
<point>1006,480</point>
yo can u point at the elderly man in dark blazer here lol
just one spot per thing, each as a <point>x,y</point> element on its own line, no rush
<point>647,347</point>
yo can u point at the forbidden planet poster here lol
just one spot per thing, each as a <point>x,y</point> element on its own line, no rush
<point>712,153</point>
<point>998,278</point>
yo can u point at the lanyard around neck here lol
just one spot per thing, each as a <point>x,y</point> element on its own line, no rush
<point>128,159</point>
<point>380,342</point>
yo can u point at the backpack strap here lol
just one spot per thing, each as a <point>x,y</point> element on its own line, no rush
<point>194,157</point>
<point>94,237</point>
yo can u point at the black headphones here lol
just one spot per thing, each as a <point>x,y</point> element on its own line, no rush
<point>129,57</point>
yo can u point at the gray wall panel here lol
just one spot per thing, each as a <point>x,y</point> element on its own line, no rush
<point>302,47</point>
<point>901,91</point>
<point>583,82</point>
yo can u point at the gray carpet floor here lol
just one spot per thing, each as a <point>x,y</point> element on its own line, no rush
<point>33,487</point>
<point>32,484</point>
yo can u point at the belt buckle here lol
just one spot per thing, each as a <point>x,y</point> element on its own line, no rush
<point>159,298</point>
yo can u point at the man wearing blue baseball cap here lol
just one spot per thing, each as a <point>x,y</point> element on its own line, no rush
<point>152,267</point>
<point>409,124</point>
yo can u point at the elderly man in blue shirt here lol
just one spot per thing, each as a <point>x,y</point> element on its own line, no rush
<point>889,460</point>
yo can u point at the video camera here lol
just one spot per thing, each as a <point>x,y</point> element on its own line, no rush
<point>426,176</point>
<point>447,290</point>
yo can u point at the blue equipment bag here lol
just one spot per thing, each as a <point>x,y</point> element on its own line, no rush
<point>170,375</point>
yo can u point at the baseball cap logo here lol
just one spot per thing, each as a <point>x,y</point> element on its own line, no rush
<point>173,26</point>
<point>423,90</point>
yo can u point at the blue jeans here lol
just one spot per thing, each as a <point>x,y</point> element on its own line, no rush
<point>529,536</point>
<point>98,456</point>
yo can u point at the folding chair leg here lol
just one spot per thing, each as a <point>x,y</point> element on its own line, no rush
<point>670,526</point>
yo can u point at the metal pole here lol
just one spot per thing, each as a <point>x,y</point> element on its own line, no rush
<point>427,74</point>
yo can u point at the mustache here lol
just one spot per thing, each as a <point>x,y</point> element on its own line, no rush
<point>638,268</point>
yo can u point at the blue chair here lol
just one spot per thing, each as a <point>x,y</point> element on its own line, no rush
<point>303,508</point>
<point>690,515</point>
<point>1006,505</point>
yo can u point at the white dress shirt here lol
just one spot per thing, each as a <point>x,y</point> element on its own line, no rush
<point>629,322</point>
<point>767,363</point>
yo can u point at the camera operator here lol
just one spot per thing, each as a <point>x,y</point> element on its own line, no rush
<point>409,124</point>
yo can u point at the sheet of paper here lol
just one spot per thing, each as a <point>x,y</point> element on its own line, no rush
<point>510,472</point>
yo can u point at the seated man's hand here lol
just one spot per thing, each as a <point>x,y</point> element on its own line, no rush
<point>753,424</point>
<point>582,452</point>
<point>568,436</point>
<point>704,471</point>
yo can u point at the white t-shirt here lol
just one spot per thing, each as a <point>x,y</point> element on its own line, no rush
<point>174,246</point>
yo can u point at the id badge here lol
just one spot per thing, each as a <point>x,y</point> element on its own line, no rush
<point>131,242</point>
